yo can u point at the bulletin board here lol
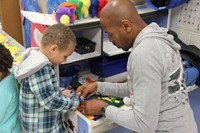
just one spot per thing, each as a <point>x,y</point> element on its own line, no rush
<point>14,47</point>
<point>187,16</point>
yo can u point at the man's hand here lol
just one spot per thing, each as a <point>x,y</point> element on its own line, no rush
<point>92,107</point>
<point>88,89</point>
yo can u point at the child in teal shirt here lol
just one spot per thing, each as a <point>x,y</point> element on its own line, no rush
<point>9,97</point>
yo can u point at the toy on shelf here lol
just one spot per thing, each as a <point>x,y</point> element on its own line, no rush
<point>102,3</point>
<point>70,6</point>
<point>79,5</point>
<point>85,8</point>
<point>64,19</point>
<point>65,13</point>
<point>93,8</point>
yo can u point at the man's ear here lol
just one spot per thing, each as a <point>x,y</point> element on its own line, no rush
<point>126,25</point>
<point>53,48</point>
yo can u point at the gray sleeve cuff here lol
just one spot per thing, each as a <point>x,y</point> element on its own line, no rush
<point>100,89</point>
<point>111,112</point>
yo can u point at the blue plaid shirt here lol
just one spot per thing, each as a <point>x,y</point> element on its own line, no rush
<point>41,102</point>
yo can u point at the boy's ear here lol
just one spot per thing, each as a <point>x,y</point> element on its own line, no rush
<point>53,48</point>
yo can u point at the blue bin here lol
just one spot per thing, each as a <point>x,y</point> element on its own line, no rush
<point>164,4</point>
<point>108,66</point>
<point>191,73</point>
<point>68,75</point>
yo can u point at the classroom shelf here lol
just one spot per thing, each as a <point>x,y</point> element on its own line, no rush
<point>91,29</point>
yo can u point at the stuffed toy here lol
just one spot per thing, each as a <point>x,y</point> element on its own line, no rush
<point>64,19</point>
<point>69,5</point>
<point>62,13</point>
<point>85,8</point>
<point>102,3</point>
<point>79,5</point>
<point>93,8</point>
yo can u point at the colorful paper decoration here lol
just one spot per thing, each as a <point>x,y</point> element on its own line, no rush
<point>11,45</point>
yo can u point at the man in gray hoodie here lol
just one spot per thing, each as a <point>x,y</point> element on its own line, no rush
<point>155,80</point>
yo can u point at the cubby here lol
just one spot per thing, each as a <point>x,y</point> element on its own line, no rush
<point>94,34</point>
<point>90,28</point>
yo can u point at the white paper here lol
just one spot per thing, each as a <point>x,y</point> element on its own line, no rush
<point>39,18</point>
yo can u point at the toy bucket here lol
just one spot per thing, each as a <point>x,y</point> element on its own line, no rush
<point>69,75</point>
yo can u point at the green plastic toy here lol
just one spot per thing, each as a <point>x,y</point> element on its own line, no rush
<point>79,5</point>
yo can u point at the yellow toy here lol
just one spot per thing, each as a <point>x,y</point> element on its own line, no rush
<point>64,19</point>
<point>85,8</point>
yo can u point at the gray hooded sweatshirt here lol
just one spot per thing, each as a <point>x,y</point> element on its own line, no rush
<point>31,61</point>
<point>155,85</point>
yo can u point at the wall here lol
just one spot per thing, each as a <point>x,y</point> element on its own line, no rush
<point>185,20</point>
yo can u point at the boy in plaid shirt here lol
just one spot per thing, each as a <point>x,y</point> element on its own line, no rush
<point>41,101</point>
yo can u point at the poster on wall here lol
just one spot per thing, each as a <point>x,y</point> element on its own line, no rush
<point>189,15</point>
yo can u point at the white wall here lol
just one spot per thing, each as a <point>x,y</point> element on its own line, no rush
<point>185,21</point>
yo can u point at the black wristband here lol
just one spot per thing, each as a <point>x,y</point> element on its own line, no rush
<point>103,110</point>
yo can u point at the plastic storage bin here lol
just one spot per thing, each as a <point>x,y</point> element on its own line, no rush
<point>108,66</point>
<point>191,73</point>
<point>69,75</point>
<point>164,4</point>
<point>85,46</point>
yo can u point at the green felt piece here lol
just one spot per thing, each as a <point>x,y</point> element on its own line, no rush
<point>110,100</point>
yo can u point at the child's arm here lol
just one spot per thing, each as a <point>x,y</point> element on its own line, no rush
<point>5,100</point>
<point>45,88</point>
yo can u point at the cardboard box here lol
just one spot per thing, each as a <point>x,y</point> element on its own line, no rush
<point>11,19</point>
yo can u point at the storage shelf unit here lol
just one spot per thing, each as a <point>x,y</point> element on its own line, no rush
<point>92,33</point>
<point>90,28</point>
<point>88,23</point>
<point>103,45</point>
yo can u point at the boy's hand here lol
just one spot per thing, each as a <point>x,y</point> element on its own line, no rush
<point>65,94</point>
